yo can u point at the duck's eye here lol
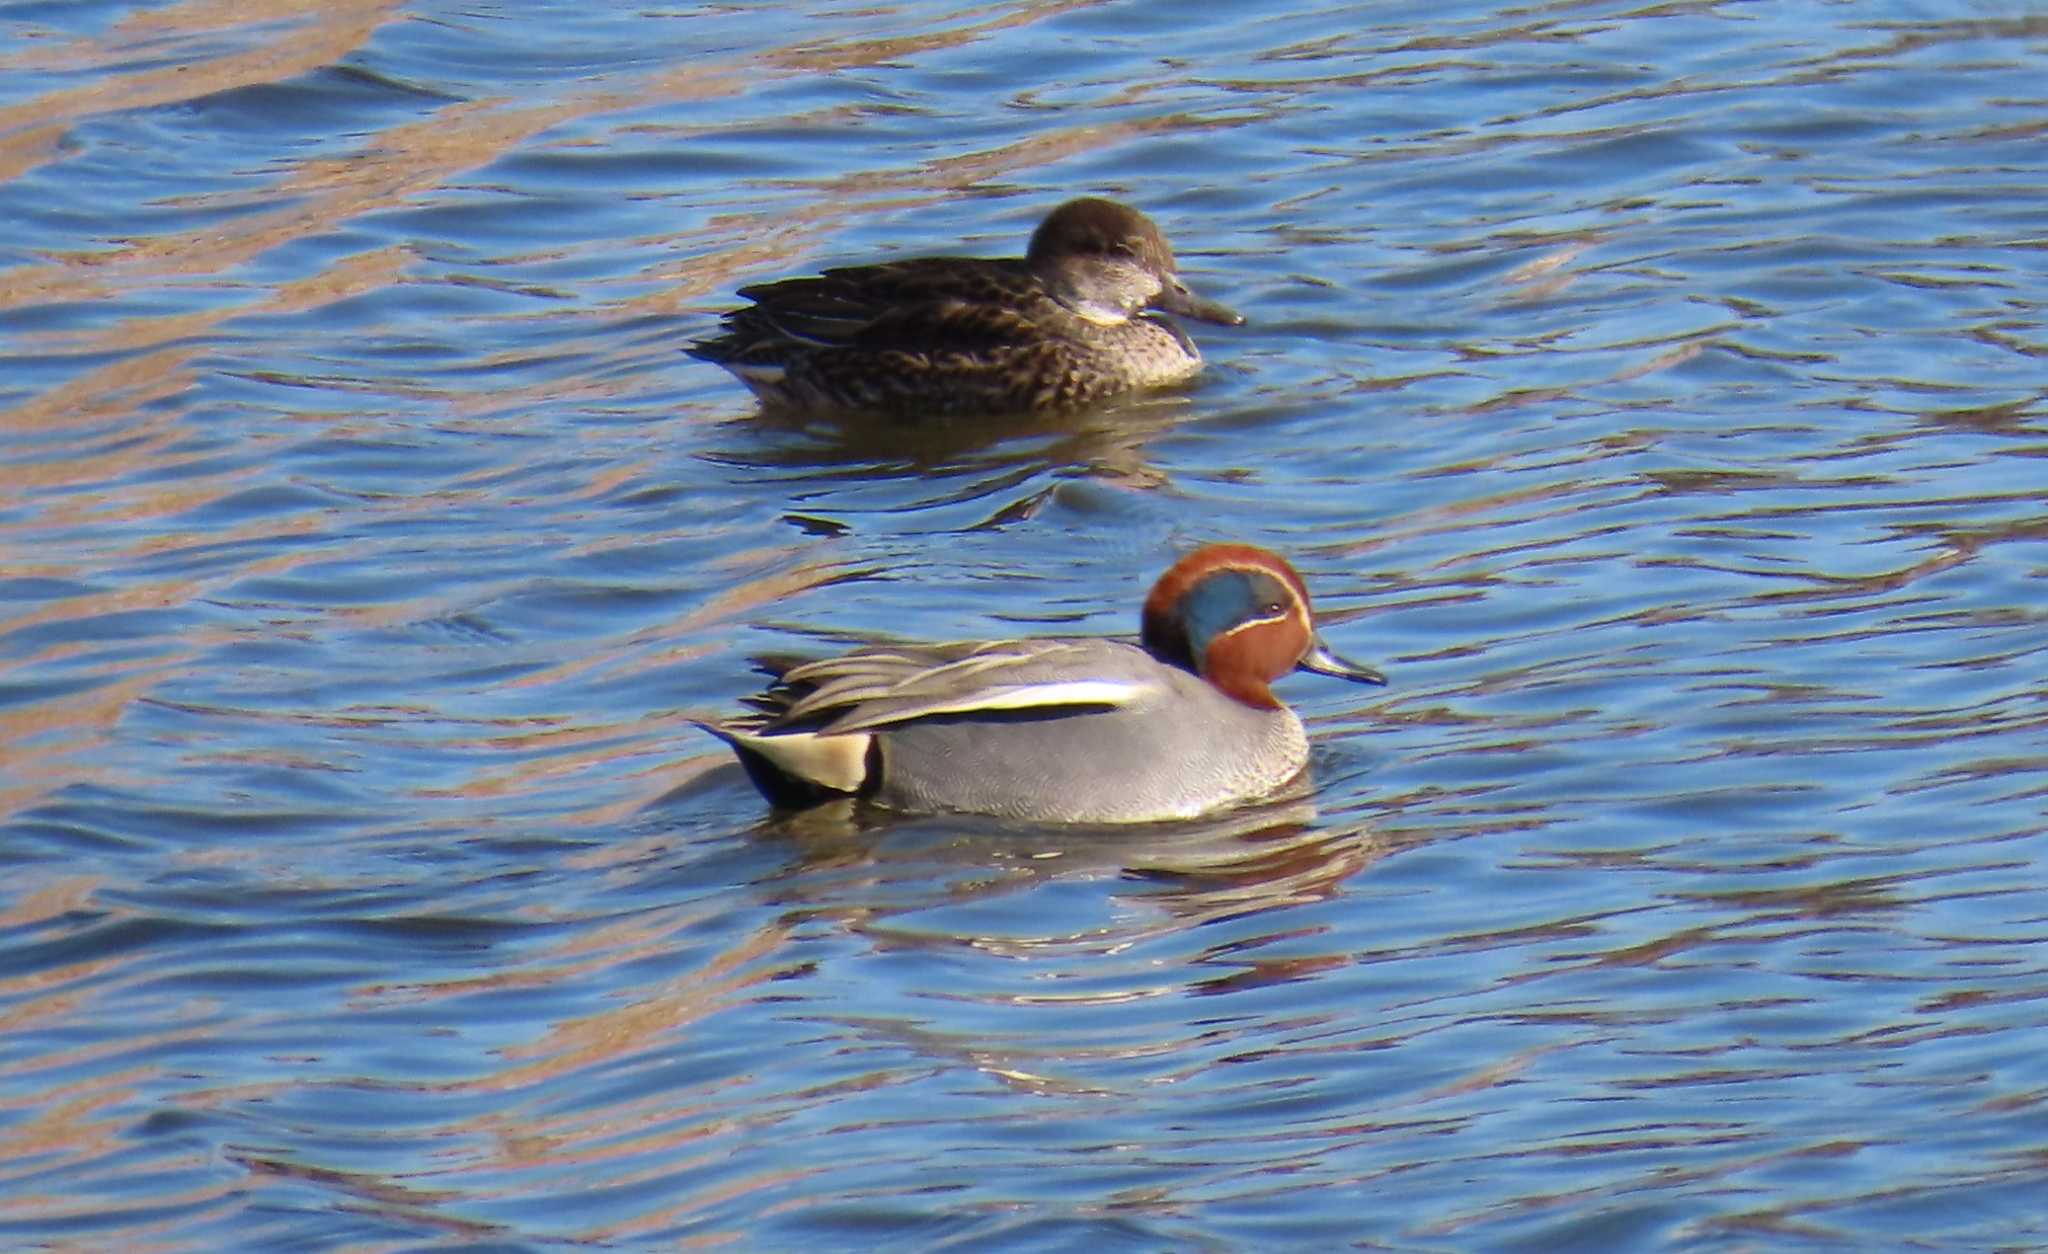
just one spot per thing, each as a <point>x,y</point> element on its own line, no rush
<point>1272,609</point>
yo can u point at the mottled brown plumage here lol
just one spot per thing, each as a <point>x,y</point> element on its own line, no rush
<point>1080,318</point>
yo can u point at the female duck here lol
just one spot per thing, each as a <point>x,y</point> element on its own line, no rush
<point>1079,319</point>
<point>1062,730</point>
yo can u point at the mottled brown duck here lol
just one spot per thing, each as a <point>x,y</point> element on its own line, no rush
<point>1082,317</point>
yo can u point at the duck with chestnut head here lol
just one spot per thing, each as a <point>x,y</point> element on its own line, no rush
<point>1085,730</point>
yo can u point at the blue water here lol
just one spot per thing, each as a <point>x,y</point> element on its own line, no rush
<point>1655,392</point>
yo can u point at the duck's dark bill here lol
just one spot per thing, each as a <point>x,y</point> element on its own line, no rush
<point>1176,298</point>
<point>1323,662</point>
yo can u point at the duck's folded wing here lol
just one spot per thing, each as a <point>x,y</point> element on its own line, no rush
<point>871,689</point>
<point>918,306</point>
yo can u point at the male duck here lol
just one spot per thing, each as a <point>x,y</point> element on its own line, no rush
<point>1073,323</point>
<point>1061,730</point>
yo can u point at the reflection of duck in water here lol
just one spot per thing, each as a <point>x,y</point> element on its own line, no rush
<point>1062,730</point>
<point>1016,463</point>
<point>1078,320</point>
<point>877,873</point>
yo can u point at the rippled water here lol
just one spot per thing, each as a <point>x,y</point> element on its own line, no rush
<point>1657,392</point>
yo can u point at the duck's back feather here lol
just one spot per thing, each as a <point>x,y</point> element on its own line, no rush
<point>930,305</point>
<point>874,688</point>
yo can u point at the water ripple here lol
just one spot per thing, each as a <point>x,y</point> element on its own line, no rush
<point>1655,392</point>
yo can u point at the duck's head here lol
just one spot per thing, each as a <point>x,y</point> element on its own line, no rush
<point>1107,262</point>
<point>1238,616</point>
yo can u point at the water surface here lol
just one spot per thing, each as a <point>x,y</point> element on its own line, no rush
<point>1656,392</point>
